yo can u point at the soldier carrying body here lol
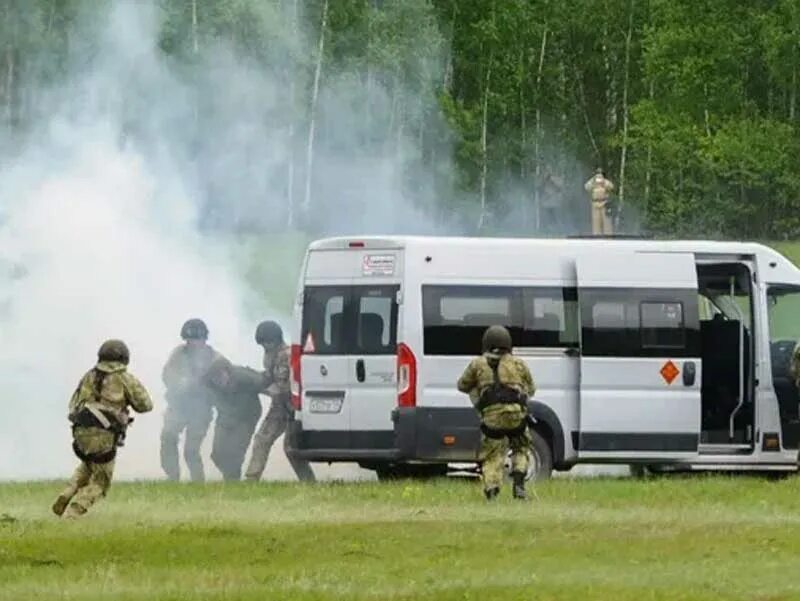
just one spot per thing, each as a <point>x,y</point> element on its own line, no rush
<point>276,381</point>
<point>99,414</point>
<point>600,189</point>
<point>238,412</point>
<point>499,386</point>
<point>189,401</point>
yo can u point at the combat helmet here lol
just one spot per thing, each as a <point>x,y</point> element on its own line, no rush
<point>496,338</point>
<point>114,350</point>
<point>268,331</point>
<point>194,329</point>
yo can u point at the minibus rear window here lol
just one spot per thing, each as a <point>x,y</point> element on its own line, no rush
<point>350,320</point>
<point>324,330</point>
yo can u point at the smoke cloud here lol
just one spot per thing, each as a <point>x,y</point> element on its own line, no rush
<point>110,213</point>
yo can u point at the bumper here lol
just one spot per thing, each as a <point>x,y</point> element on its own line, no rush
<point>426,434</point>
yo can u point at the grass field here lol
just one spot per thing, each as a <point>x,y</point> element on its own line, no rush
<point>667,538</point>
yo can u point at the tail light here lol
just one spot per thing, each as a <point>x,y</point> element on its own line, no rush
<point>294,365</point>
<point>406,377</point>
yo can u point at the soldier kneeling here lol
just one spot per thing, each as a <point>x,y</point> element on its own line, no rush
<point>99,414</point>
<point>499,386</point>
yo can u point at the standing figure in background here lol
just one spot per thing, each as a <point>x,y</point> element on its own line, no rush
<point>277,385</point>
<point>236,391</point>
<point>551,201</point>
<point>600,190</point>
<point>189,401</point>
<point>99,414</point>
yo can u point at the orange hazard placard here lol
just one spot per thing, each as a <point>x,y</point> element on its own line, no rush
<point>670,371</point>
<point>309,346</point>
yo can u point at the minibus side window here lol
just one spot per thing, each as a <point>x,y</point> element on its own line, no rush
<point>455,317</point>
<point>551,318</point>
<point>662,325</point>
<point>639,323</point>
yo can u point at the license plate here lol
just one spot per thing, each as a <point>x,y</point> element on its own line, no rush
<point>325,405</point>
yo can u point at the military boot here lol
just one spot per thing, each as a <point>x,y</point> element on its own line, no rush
<point>519,486</point>
<point>491,493</point>
<point>74,511</point>
<point>60,505</point>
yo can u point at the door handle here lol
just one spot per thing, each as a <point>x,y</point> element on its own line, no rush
<point>361,372</point>
<point>689,373</point>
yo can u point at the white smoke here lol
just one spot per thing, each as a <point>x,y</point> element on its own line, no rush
<point>101,214</point>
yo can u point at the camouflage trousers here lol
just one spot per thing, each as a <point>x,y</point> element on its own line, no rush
<point>89,484</point>
<point>493,454</point>
<point>273,426</point>
<point>195,422</point>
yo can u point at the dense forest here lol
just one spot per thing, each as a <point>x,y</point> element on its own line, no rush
<point>492,113</point>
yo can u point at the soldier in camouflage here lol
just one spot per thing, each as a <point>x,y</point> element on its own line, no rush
<point>276,381</point>
<point>98,411</point>
<point>499,386</point>
<point>238,410</point>
<point>189,401</point>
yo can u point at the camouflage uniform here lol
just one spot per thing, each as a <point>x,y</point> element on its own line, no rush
<point>600,189</point>
<point>189,408</point>
<point>277,386</point>
<point>479,376</point>
<point>238,410</point>
<point>117,391</point>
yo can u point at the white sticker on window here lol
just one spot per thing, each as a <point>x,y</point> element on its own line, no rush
<point>377,265</point>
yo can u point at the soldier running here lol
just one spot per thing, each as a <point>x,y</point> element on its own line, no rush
<point>99,414</point>
<point>499,386</point>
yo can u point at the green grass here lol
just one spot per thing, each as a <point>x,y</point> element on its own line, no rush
<point>670,538</point>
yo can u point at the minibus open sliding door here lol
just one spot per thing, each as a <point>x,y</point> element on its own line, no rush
<point>640,356</point>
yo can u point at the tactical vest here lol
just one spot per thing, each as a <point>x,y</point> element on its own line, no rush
<point>498,393</point>
<point>92,414</point>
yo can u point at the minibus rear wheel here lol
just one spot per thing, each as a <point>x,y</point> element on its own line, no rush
<point>541,466</point>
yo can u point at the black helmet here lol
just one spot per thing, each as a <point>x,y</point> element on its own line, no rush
<point>268,331</point>
<point>114,350</point>
<point>194,329</point>
<point>496,337</point>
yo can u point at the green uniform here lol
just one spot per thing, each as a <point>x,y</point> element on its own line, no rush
<point>108,390</point>
<point>278,387</point>
<point>189,408</point>
<point>238,410</point>
<point>503,426</point>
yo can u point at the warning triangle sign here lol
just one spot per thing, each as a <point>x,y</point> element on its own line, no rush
<point>309,346</point>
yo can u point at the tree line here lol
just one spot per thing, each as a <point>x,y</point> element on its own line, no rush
<point>493,113</point>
